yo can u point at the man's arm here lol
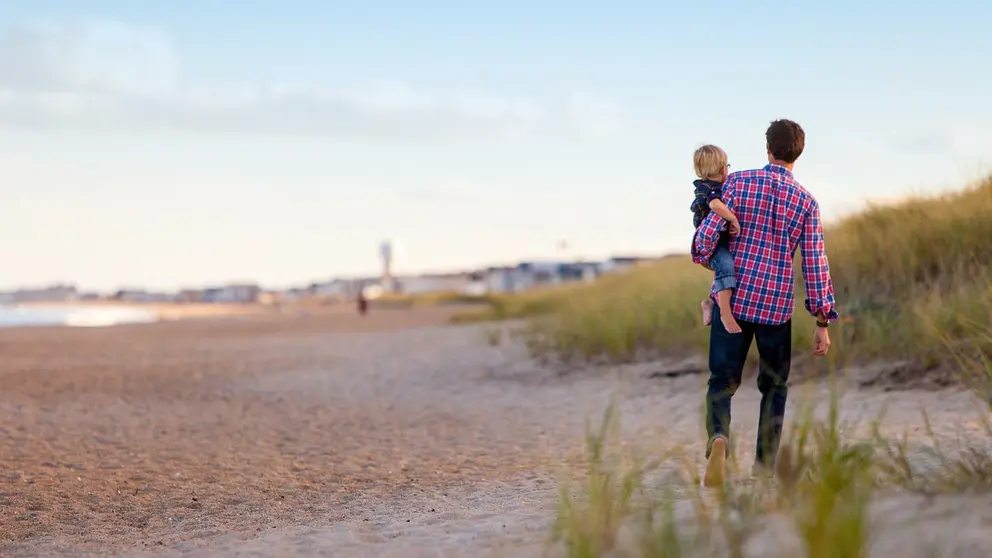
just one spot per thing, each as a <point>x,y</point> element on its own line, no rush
<point>816,270</point>
<point>708,233</point>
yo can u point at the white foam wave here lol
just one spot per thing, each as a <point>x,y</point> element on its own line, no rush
<point>74,316</point>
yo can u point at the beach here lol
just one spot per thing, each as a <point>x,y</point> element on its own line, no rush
<point>327,433</point>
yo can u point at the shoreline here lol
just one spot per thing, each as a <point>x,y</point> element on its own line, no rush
<point>163,310</point>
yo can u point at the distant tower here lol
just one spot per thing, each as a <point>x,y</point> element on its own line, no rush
<point>386,253</point>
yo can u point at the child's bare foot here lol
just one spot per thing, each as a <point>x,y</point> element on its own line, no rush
<point>726,313</point>
<point>729,323</point>
<point>707,306</point>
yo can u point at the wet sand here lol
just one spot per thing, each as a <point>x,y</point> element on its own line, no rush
<point>392,435</point>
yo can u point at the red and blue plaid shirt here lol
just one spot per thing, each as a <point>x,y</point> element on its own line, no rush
<point>777,215</point>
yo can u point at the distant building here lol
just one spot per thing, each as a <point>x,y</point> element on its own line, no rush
<point>580,271</point>
<point>621,263</point>
<point>539,274</point>
<point>232,294</point>
<point>337,289</point>
<point>523,276</point>
<point>54,293</point>
<point>500,279</point>
<point>527,275</point>
<point>439,283</point>
<point>139,295</point>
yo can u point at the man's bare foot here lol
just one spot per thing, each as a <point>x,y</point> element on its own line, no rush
<point>716,465</point>
<point>707,306</point>
<point>729,323</point>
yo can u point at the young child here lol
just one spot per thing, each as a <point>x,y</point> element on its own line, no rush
<point>711,167</point>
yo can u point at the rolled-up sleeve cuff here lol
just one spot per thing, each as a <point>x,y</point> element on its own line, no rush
<point>697,256</point>
<point>828,310</point>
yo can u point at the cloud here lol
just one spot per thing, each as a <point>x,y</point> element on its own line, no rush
<point>266,112</point>
<point>86,57</point>
<point>97,75</point>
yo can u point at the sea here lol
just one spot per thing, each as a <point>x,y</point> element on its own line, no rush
<point>73,316</point>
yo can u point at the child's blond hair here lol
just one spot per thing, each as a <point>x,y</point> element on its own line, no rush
<point>709,162</point>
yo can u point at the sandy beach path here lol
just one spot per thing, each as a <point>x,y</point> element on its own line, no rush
<point>307,438</point>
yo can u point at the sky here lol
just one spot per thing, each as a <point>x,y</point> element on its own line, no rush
<point>172,143</point>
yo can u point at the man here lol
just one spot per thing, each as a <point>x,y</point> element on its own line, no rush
<point>776,216</point>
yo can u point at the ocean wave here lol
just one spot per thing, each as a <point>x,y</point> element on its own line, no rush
<point>73,316</point>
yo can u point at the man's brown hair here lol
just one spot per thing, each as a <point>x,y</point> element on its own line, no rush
<point>785,140</point>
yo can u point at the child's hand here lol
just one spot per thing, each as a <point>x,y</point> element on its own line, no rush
<point>735,227</point>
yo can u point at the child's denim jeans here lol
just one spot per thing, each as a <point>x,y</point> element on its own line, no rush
<point>722,264</point>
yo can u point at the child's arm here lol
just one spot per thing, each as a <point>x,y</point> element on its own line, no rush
<point>721,209</point>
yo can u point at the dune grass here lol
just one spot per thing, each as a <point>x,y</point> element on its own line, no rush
<point>817,504</point>
<point>902,273</point>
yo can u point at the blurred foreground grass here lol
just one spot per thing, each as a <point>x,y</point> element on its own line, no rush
<point>911,280</point>
<point>817,503</point>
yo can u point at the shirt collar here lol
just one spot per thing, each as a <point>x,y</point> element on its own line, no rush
<point>779,169</point>
<point>709,183</point>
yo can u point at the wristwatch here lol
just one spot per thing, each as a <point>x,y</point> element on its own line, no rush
<point>822,323</point>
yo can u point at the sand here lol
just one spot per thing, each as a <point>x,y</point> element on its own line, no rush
<point>333,435</point>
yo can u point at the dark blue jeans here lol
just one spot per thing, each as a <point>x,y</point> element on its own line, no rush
<point>728,355</point>
<point>722,264</point>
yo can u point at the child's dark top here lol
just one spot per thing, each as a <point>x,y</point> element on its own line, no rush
<point>706,191</point>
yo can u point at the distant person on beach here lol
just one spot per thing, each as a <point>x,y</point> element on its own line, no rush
<point>363,304</point>
<point>776,215</point>
<point>710,163</point>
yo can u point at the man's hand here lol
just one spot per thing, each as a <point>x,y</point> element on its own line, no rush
<point>821,341</point>
<point>734,227</point>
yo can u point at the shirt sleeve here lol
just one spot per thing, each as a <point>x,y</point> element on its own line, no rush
<point>816,268</point>
<point>715,194</point>
<point>708,233</point>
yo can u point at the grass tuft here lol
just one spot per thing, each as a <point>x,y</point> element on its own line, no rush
<point>589,522</point>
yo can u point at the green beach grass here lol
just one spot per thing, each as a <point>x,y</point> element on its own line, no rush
<point>911,279</point>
